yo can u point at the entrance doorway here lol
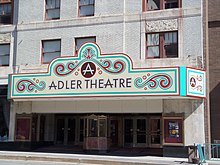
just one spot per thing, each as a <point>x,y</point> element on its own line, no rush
<point>142,132</point>
<point>118,131</point>
<point>65,130</point>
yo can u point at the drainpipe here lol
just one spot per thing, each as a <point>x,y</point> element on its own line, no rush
<point>124,11</point>
<point>206,67</point>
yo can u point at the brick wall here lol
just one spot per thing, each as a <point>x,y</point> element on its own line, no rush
<point>214,67</point>
<point>213,12</point>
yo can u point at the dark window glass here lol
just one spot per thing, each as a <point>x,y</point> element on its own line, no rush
<point>4,54</point>
<point>52,9</point>
<point>162,45</point>
<point>80,41</point>
<point>6,13</point>
<point>160,4</point>
<point>86,7</point>
<point>51,50</point>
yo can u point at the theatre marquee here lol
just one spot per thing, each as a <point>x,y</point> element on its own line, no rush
<point>93,74</point>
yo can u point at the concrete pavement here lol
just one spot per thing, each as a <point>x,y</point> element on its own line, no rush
<point>92,159</point>
<point>32,162</point>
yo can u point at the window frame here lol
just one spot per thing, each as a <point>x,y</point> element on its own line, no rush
<point>7,2</point>
<point>42,50</point>
<point>162,5</point>
<point>162,51</point>
<point>2,65</point>
<point>76,38</point>
<point>86,5</point>
<point>46,11</point>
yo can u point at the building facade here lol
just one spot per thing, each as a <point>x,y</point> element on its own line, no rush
<point>153,34</point>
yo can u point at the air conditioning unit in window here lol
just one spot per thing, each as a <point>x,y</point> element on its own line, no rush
<point>5,19</point>
<point>169,4</point>
<point>171,50</point>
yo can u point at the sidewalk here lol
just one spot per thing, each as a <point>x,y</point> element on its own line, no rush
<point>93,159</point>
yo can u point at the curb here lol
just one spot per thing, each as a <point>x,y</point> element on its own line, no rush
<point>90,159</point>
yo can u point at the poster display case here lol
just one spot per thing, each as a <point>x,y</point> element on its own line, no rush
<point>173,130</point>
<point>23,128</point>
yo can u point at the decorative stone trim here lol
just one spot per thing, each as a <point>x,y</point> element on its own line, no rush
<point>161,25</point>
<point>5,38</point>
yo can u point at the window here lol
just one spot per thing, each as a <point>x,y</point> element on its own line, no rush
<point>4,54</point>
<point>80,41</point>
<point>52,9</point>
<point>162,45</point>
<point>160,4</point>
<point>6,12</point>
<point>86,7</point>
<point>51,50</point>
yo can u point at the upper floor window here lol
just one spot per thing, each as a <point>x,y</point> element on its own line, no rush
<point>52,9</point>
<point>4,54</point>
<point>6,12</point>
<point>86,7</point>
<point>80,41</point>
<point>162,45</point>
<point>50,49</point>
<point>161,4</point>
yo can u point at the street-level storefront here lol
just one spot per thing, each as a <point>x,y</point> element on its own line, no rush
<point>111,130</point>
<point>100,102</point>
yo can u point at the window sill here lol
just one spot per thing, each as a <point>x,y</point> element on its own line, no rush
<point>157,58</point>
<point>162,9</point>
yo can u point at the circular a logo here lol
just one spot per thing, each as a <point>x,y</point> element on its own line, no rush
<point>193,82</point>
<point>88,69</point>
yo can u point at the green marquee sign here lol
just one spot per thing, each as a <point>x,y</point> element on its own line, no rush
<point>93,74</point>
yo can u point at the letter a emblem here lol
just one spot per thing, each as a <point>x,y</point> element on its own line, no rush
<point>88,69</point>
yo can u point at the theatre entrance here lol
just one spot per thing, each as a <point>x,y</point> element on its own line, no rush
<point>65,132</point>
<point>142,132</point>
<point>107,131</point>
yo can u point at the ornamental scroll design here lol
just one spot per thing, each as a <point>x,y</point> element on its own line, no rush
<point>195,83</point>
<point>163,81</point>
<point>114,67</point>
<point>107,65</point>
<point>65,69</point>
<point>30,85</point>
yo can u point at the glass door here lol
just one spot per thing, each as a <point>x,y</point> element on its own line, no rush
<point>155,132</point>
<point>60,131</point>
<point>141,132</point>
<point>71,131</point>
<point>114,132</point>
<point>82,129</point>
<point>65,130</point>
<point>128,132</point>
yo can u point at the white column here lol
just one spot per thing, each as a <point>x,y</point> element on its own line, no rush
<point>11,136</point>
